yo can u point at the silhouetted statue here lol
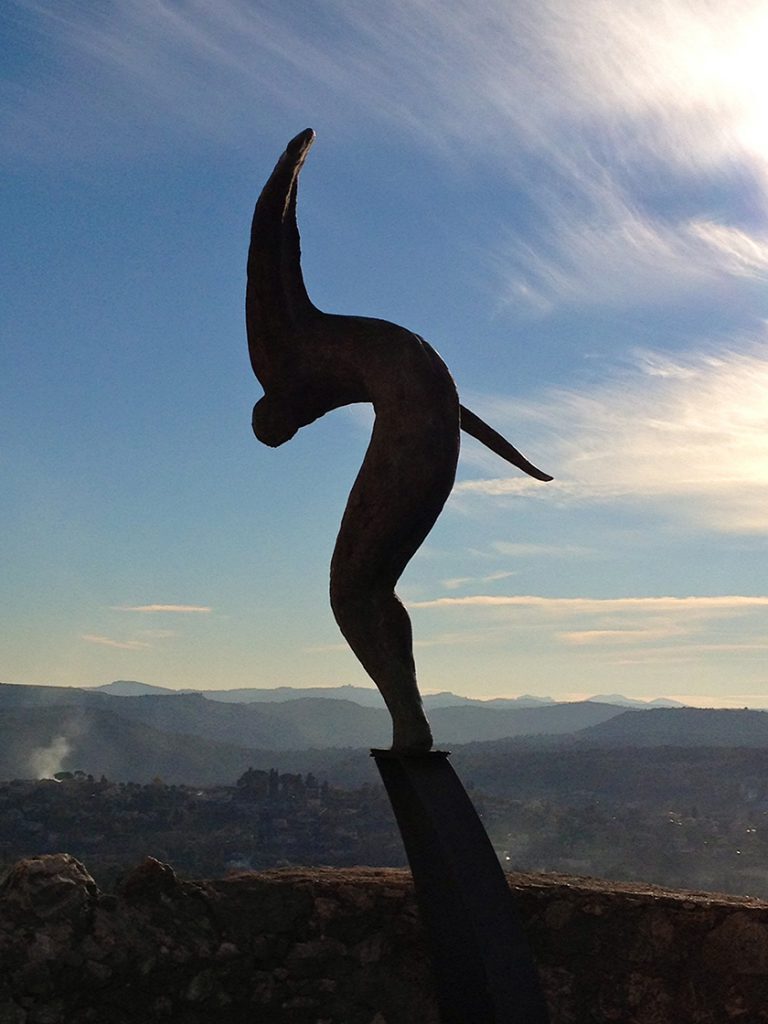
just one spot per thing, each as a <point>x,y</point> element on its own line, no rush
<point>310,362</point>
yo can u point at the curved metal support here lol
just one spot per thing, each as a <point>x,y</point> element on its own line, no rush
<point>483,967</point>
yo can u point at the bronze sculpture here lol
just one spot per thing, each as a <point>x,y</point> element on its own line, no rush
<point>309,363</point>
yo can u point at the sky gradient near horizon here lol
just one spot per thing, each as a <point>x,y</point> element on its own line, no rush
<point>567,198</point>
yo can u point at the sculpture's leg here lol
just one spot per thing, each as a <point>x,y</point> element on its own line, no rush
<point>377,628</point>
<point>483,968</point>
<point>402,486</point>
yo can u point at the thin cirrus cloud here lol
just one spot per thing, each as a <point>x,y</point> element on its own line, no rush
<point>616,257</point>
<point>635,635</point>
<point>687,436</point>
<point>735,251</point>
<point>732,622</point>
<point>596,92</point>
<point>519,550</point>
<point>592,605</point>
<point>106,641</point>
<point>183,609</point>
<point>440,640</point>
<point>680,79</point>
<point>516,550</point>
<point>454,582</point>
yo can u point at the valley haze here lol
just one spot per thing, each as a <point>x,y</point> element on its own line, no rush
<point>135,731</point>
<point>668,794</point>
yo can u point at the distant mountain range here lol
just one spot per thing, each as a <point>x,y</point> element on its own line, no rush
<point>186,737</point>
<point>304,722</point>
<point>368,696</point>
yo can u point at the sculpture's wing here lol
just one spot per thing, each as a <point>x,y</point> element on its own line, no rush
<point>480,430</point>
<point>276,299</point>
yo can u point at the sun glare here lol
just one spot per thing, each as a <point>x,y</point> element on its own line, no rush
<point>740,78</point>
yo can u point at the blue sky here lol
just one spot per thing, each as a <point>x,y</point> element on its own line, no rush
<point>567,198</point>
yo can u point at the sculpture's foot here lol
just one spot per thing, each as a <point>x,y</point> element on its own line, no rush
<point>412,737</point>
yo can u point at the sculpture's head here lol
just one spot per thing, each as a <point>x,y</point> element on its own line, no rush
<point>275,420</point>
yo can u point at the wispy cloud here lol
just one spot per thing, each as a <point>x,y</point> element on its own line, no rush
<point>106,641</point>
<point>516,550</point>
<point>611,254</point>
<point>646,628</point>
<point>459,581</point>
<point>694,651</point>
<point>679,79</point>
<point>688,435</point>
<point>183,609</point>
<point>438,640</point>
<point>585,637</point>
<point>736,251</point>
<point>598,95</point>
<point>511,549</point>
<point>459,639</point>
<point>582,605</point>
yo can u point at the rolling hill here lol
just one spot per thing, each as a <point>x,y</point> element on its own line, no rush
<point>681,727</point>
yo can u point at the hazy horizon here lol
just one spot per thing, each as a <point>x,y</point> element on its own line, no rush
<point>688,700</point>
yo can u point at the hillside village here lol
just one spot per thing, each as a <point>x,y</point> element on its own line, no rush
<point>671,795</point>
<point>272,819</point>
<point>265,820</point>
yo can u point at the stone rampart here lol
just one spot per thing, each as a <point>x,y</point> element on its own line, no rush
<point>331,946</point>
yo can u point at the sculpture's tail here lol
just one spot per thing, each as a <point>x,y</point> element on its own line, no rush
<point>480,430</point>
<point>276,299</point>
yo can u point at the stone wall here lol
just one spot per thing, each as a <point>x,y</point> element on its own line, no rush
<point>345,947</point>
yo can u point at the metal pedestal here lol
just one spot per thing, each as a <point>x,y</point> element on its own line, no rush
<point>482,964</point>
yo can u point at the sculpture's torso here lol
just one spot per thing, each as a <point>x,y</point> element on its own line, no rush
<point>339,360</point>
